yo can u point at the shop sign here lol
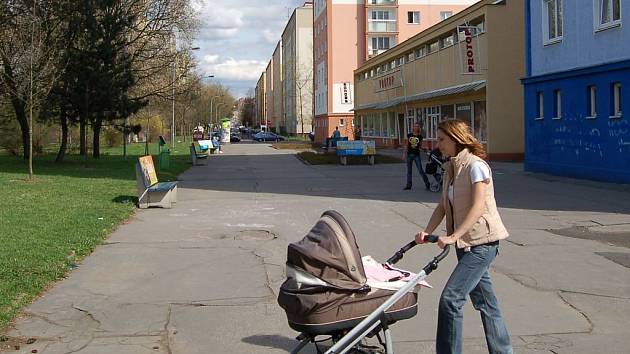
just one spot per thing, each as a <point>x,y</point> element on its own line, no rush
<point>469,51</point>
<point>388,82</point>
<point>346,96</point>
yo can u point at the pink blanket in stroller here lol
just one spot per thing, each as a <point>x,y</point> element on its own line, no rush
<point>378,272</point>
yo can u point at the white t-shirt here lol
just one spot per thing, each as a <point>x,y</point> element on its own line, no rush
<point>479,172</point>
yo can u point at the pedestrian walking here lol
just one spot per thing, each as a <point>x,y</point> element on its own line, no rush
<point>411,154</point>
<point>474,226</point>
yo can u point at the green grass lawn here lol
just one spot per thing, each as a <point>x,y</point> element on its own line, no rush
<point>68,208</point>
<point>332,159</point>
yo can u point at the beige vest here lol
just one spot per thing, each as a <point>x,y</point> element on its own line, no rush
<point>489,227</point>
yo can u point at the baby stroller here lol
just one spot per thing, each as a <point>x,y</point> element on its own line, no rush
<point>435,169</point>
<point>327,292</point>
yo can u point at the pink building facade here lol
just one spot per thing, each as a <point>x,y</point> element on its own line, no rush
<point>348,32</point>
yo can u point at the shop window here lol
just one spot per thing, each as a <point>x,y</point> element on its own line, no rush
<point>557,104</point>
<point>481,122</point>
<point>391,125</point>
<point>540,105</point>
<point>463,112</point>
<point>616,100</point>
<point>552,21</point>
<point>607,14</point>
<point>591,102</point>
<point>447,112</point>
<point>432,119</point>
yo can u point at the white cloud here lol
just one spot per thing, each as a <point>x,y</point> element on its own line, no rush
<point>233,69</point>
<point>210,59</point>
<point>238,37</point>
<point>272,36</point>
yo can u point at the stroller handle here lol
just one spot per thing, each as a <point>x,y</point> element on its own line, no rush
<point>401,252</point>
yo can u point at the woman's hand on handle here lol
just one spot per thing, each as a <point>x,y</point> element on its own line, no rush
<point>420,237</point>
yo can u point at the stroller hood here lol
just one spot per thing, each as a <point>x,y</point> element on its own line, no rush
<point>329,252</point>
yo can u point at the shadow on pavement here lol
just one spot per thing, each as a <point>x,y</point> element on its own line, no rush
<point>282,173</point>
<point>273,341</point>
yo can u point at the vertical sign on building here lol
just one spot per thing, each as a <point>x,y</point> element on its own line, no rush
<point>469,51</point>
<point>346,97</point>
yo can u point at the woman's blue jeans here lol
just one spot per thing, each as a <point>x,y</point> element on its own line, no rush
<point>471,277</point>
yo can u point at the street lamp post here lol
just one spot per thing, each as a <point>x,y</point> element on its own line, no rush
<point>174,82</point>
<point>211,103</point>
<point>216,113</point>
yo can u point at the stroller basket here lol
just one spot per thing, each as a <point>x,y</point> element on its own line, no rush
<point>327,291</point>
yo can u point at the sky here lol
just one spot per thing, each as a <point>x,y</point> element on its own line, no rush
<point>237,39</point>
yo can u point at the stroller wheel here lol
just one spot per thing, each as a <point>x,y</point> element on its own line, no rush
<point>435,187</point>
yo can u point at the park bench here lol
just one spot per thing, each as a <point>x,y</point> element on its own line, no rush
<point>150,191</point>
<point>206,146</point>
<point>197,157</point>
<point>356,148</point>
<point>332,142</point>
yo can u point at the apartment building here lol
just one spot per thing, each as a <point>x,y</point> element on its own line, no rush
<point>260,108</point>
<point>269,97</point>
<point>346,33</point>
<point>576,89</point>
<point>467,67</point>
<point>297,68</point>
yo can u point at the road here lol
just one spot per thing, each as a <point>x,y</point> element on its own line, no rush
<point>203,277</point>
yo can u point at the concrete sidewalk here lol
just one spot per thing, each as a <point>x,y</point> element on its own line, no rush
<point>203,277</point>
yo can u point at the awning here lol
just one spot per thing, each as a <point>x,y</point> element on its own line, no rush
<point>447,91</point>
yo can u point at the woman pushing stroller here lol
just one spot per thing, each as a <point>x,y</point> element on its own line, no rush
<point>475,228</point>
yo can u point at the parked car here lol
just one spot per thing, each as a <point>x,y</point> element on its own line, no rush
<point>268,136</point>
<point>235,138</point>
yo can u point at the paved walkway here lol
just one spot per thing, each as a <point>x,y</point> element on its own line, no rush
<point>203,277</point>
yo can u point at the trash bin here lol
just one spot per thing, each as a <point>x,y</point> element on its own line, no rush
<point>164,159</point>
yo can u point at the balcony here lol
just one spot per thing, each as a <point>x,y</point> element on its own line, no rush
<point>382,26</point>
<point>375,52</point>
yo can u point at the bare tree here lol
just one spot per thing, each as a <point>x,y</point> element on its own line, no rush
<point>31,59</point>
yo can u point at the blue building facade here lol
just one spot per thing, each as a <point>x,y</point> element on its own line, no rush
<point>577,88</point>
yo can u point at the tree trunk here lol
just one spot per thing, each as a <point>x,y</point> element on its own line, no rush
<point>96,130</point>
<point>82,135</point>
<point>63,118</point>
<point>20,115</point>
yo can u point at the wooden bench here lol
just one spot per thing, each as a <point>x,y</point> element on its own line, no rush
<point>356,148</point>
<point>197,157</point>
<point>332,142</point>
<point>150,191</point>
<point>206,146</point>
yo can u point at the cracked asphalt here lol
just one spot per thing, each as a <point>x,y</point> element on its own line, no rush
<point>203,277</point>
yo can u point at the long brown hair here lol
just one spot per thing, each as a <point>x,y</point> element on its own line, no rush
<point>462,135</point>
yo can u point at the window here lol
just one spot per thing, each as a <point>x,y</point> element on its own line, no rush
<point>557,104</point>
<point>445,14</point>
<point>540,105</point>
<point>434,47</point>
<point>447,41</point>
<point>380,43</point>
<point>341,122</point>
<point>380,15</point>
<point>420,52</point>
<point>413,17</point>
<point>616,100</point>
<point>591,102</point>
<point>552,21</point>
<point>607,14</point>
